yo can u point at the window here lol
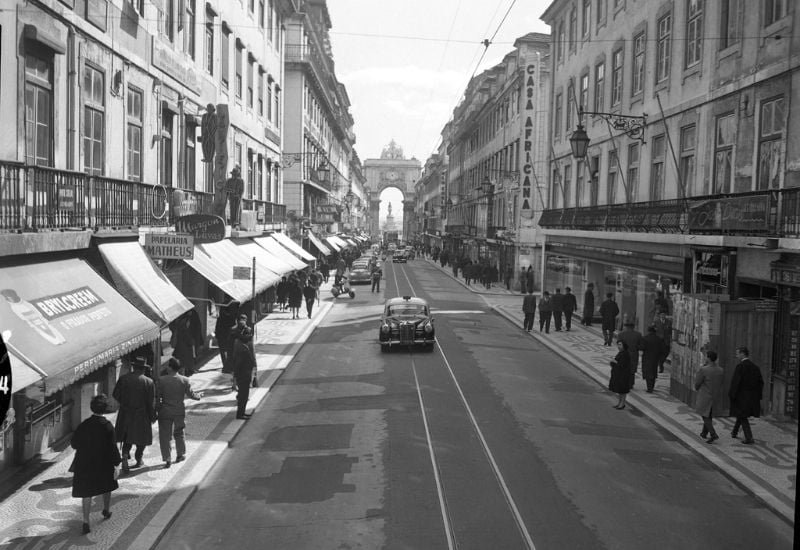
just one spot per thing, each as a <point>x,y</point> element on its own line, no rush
<point>165,146</point>
<point>694,32</point>
<point>770,143</point>
<point>133,142</point>
<point>260,91</point>
<point>224,51</point>
<point>570,105</point>
<point>687,167</point>
<point>774,10</point>
<point>259,178</point>
<point>209,43</point>
<point>567,184</point>
<point>238,68</point>
<point>663,47</point>
<point>560,43</point>
<point>269,98</point>
<point>555,187</point>
<point>573,24</point>
<point>38,107</point>
<point>599,86</point>
<point>93,120</point>
<point>559,109</point>
<point>188,29</point>
<point>584,99</point>
<point>586,18</point>
<point>169,19</point>
<point>730,17</point>
<point>724,137</point>
<point>616,78</point>
<point>270,19</point>
<point>579,190</point>
<point>633,172</point>
<point>611,183</point>
<point>601,11</point>
<point>238,155</point>
<point>189,156</point>
<point>657,169</point>
<point>261,14</point>
<point>637,78</point>
<point>250,69</point>
<point>594,179</point>
<point>251,174</point>
<point>251,5</point>
<point>138,6</point>
<point>277,106</point>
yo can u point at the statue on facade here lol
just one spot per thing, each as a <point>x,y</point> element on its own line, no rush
<point>393,152</point>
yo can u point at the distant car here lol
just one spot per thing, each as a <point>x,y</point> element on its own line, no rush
<point>406,321</point>
<point>360,271</point>
<point>400,255</point>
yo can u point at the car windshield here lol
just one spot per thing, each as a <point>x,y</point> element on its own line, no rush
<point>359,265</point>
<point>408,309</point>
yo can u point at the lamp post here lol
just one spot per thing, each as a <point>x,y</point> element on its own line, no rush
<point>631,125</point>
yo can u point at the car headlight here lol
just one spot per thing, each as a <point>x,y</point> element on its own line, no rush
<point>385,328</point>
<point>428,327</point>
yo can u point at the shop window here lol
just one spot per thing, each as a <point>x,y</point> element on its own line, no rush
<point>770,143</point>
<point>133,142</point>
<point>38,107</point>
<point>93,120</point>
<point>724,138</point>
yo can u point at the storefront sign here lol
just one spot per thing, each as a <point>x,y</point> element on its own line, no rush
<point>730,214</point>
<point>711,272</point>
<point>241,272</point>
<point>169,246</point>
<point>205,228</point>
<point>66,196</point>
<point>790,355</point>
<point>526,206</point>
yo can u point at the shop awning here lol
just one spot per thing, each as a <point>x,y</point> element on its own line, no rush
<point>215,262</point>
<point>318,243</point>
<point>66,321</point>
<point>23,374</point>
<point>276,249</point>
<point>264,259</point>
<point>352,242</point>
<point>333,244</point>
<point>141,281</point>
<point>293,247</point>
<point>342,243</point>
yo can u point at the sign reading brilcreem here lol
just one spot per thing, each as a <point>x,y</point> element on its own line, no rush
<point>169,246</point>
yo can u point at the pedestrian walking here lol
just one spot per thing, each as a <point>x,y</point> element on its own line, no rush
<point>529,278</point>
<point>222,332</point>
<point>620,381</point>
<point>635,343</point>
<point>608,313</point>
<point>652,349</point>
<point>570,306</point>
<point>244,365</point>
<point>282,293</point>
<point>468,272</point>
<point>747,385</point>
<point>558,308</point>
<point>295,298</point>
<point>509,276</point>
<point>173,388</point>
<point>136,395</point>
<point>325,269</point>
<point>664,331</point>
<point>376,274</point>
<point>708,382</point>
<point>187,340</point>
<point>310,294</point>
<point>588,305</point>
<point>529,310</point>
<point>545,312</point>
<point>97,459</point>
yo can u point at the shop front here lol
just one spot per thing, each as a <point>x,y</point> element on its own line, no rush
<point>66,330</point>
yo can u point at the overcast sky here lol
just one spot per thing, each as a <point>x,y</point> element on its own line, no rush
<point>406,63</point>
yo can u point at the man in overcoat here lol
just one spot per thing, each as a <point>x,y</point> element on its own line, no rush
<point>529,310</point>
<point>708,382</point>
<point>588,305</point>
<point>652,350</point>
<point>747,385</point>
<point>635,342</point>
<point>545,312</point>
<point>608,313</point>
<point>173,388</point>
<point>558,308</point>
<point>570,305</point>
<point>136,394</point>
<point>244,362</point>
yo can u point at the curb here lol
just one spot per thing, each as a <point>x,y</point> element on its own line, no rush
<point>725,464</point>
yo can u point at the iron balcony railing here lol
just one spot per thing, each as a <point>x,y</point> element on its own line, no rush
<point>37,198</point>
<point>770,213</point>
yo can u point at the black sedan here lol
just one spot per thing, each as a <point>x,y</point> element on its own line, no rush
<point>406,321</point>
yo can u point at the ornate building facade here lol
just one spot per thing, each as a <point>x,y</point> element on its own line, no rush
<point>392,170</point>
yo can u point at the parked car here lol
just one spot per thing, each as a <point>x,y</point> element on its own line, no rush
<point>360,271</point>
<point>406,321</point>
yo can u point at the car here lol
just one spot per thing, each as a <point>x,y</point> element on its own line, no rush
<point>360,271</point>
<point>406,321</point>
<point>400,255</point>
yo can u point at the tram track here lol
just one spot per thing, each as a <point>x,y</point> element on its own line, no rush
<point>445,508</point>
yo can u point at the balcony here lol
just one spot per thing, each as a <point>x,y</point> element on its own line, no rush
<point>773,213</point>
<point>37,199</point>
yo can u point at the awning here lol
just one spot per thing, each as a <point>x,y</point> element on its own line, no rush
<point>264,259</point>
<point>333,244</point>
<point>276,249</point>
<point>215,262</point>
<point>340,242</point>
<point>352,242</point>
<point>23,374</point>
<point>293,246</point>
<point>66,321</point>
<point>316,242</point>
<point>141,281</point>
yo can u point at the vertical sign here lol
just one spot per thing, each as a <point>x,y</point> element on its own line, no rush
<point>790,356</point>
<point>526,209</point>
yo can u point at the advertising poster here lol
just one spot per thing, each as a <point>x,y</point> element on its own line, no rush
<point>691,324</point>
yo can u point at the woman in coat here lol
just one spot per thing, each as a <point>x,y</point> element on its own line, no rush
<point>97,459</point>
<point>295,298</point>
<point>281,292</point>
<point>620,382</point>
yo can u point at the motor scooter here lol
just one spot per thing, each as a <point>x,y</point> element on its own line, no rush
<point>343,287</point>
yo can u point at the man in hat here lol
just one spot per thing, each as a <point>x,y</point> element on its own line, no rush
<point>608,313</point>
<point>173,388</point>
<point>136,395</point>
<point>234,188</point>
<point>635,342</point>
<point>244,362</point>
